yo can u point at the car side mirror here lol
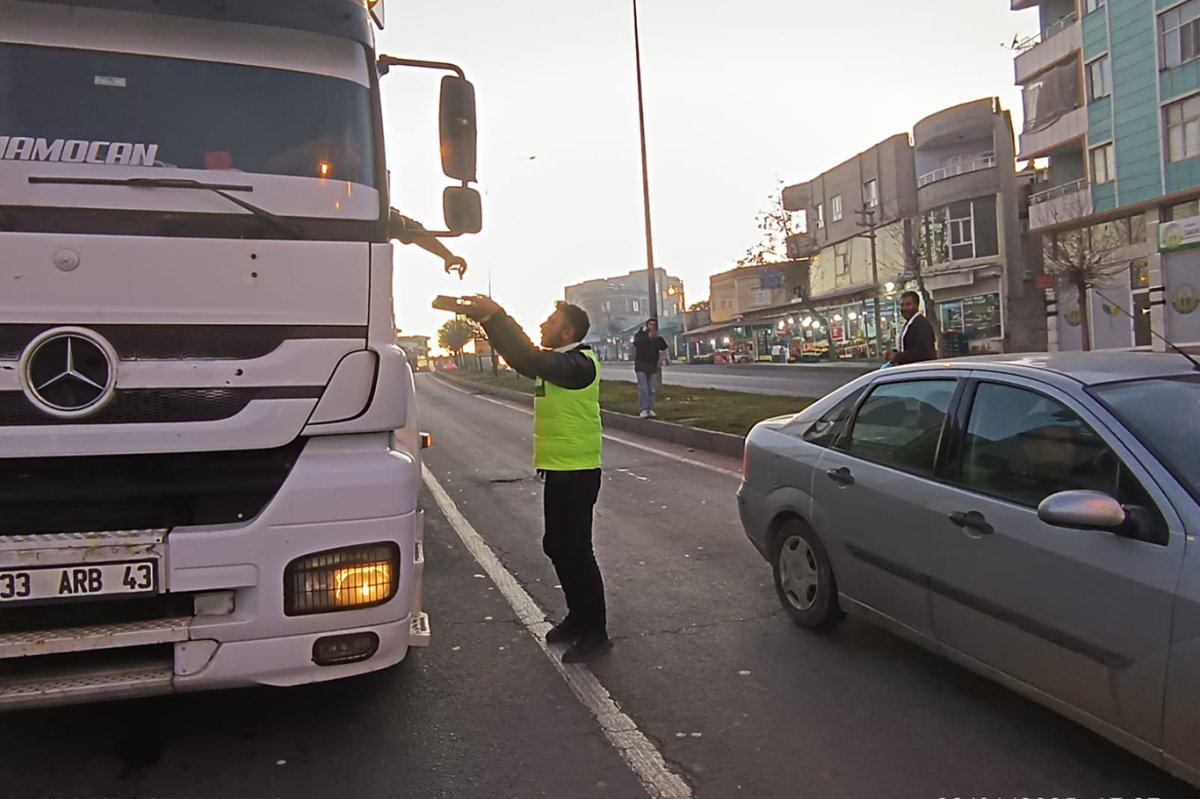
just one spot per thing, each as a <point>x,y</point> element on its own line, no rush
<point>456,127</point>
<point>462,208</point>
<point>1084,510</point>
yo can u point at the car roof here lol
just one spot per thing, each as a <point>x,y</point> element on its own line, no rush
<point>1088,368</point>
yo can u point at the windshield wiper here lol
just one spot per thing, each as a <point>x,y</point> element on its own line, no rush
<point>220,189</point>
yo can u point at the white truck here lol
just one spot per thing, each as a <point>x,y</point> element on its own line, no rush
<point>209,453</point>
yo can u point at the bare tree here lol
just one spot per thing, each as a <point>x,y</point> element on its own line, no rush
<point>777,225</point>
<point>924,245</point>
<point>1085,257</point>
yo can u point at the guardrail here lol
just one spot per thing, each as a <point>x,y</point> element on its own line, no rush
<point>1058,191</point>
<point>1027,44</point>
<point>963,168</point>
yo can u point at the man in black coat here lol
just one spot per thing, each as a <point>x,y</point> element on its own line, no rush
<point>917,341</point>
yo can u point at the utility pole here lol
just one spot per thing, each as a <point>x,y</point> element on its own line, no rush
<point>491,349</point>
<point>650,275</point>
<point>868,221</point>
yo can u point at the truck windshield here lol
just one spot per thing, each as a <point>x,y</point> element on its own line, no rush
<point>117,109</point>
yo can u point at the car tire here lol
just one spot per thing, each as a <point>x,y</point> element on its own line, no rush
<point>804,578</point>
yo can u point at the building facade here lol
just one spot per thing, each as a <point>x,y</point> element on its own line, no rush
<point>1112,101</point>
<point>939,212</point>
<point>618,306</point>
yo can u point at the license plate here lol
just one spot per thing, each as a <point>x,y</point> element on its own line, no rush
<point>78,581</point>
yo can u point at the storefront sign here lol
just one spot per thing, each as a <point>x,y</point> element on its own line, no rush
<point>1179,234</point>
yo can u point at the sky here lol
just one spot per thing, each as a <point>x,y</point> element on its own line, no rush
<point>738,96</point>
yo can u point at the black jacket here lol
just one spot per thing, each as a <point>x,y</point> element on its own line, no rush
<point>571,370</point>
<point>920,343</point>
<point>646,351</point>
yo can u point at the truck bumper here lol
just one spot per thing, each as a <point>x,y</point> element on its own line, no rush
<point>342,492</point>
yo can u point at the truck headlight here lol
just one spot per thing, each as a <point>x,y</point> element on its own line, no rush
<point>342,579</point>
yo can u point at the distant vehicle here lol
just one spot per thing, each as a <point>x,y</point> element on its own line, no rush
<point>1031,517</point>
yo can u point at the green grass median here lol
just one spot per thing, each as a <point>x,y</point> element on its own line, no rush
<point>708,408</point>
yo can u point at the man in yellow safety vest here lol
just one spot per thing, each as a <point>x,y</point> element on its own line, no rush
<point>566,452</point>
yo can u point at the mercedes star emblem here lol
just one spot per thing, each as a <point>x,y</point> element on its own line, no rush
<point>69,372</point>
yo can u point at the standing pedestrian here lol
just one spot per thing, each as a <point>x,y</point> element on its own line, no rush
<point>648,348</point>
<point>567,438</point>
<point>917,341</point>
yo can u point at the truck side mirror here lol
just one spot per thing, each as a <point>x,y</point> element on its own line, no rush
<point>463,209</point>
<point>457,128</point>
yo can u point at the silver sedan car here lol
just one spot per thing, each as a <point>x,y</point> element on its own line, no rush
<point>1032,517</point>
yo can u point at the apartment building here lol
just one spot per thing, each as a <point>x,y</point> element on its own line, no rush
<point>943,207</point>
<point>969,246</point>
<point>1112,119</point>
<point>617,306</point>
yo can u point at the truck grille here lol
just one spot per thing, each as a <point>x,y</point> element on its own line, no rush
<point>149,406</point>
<point>185,342</point>
<point>138,492</point>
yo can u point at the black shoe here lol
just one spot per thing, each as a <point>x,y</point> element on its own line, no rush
<point>588,647</point>
<point>565,632</point>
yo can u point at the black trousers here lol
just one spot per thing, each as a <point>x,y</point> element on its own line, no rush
<point>569,499</point>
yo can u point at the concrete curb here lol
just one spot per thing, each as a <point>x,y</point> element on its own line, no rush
<point>846,368</point>
<point>692,437</point>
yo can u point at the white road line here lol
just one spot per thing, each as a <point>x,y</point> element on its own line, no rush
<point>645,761</point>
<point>689,461</point>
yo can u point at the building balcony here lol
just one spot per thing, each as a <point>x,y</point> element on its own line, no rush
<point>965,181</point>
<point>1060,205</point>
<point>1044,49</point>
<point>962,168</point>
<point>1069,127</point>
<point>802,245</point>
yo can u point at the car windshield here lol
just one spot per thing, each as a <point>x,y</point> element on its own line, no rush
<point>1164,414</point>
<point>119,109</point>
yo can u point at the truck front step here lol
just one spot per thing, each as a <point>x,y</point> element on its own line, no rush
<point>420,632</point>
<point>61,682</point>
<point>121,635</point>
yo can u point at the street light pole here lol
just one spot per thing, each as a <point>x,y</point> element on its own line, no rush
<point>868,215</point>
<point>650,272</point>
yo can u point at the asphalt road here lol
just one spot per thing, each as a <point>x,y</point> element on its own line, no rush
<point>790,380</point>
<point>737,700</point>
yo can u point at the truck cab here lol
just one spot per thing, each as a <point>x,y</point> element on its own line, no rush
<point>211,460</point>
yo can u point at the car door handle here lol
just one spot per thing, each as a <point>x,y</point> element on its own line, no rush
<point>841,476</point>
<point>973,520</point>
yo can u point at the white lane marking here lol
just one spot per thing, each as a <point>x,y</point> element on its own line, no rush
<point>689,461</point>
<point>645,761</point>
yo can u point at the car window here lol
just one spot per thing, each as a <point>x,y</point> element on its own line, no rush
<point>1024,446</point>
<point>825,430</point>
<point>900,424</point>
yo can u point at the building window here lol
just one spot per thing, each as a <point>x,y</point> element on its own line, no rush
<point>871,194</point>
<point>1104,165</point>
<point>974,318</point>
<point>842,260</point>
<point>637,306</point>
<point>820,216</point>
<point>1092,5</point>
<point>1180,29</point>
<point>962,232</point>
<point>760,297</point>
<point>835,207</point>
<point>1183,129</point>
<point>1099,78</point>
